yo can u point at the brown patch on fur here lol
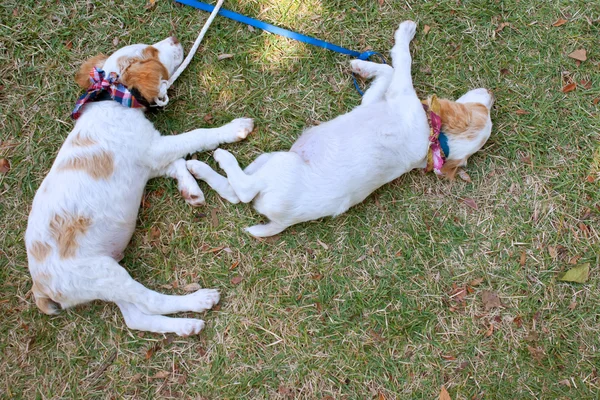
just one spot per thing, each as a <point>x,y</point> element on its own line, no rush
<point>39,250</point>
<point>464,120</point>
<point>82,77</point>
<point>65,230</point>
<point>79,141</point>
<point>450,168</point>
<point>143,73</point>
<point>98,166</point>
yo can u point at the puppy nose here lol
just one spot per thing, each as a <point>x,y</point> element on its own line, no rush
<point>174,40</point>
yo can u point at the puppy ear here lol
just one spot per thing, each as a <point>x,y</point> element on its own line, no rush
<point>463,119</point>
<point>146,75</point>
<point>450,168</point>
<point>82,77</point>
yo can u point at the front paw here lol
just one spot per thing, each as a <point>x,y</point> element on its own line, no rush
<point>365,69</point>
<point>238,129</point>
<point>406,31</point>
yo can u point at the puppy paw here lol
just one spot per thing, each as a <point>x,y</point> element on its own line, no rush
<point>365,69</point>
<point>406,31</point>
<point>224,158</point>
<point>202,300</point>
<point>238,129</point>
<point>193,196</point>
<point>188,326</point>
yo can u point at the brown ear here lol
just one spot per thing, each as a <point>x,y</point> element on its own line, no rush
<point>144,74</point>
<point>82,77</point>
<point>463,119</point>
<point>450,168</point>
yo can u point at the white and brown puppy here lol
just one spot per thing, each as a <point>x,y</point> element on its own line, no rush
<point>337,164</point>
<point>85,210</point>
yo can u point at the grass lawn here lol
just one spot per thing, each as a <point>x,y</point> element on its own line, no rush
<point>385,301</point>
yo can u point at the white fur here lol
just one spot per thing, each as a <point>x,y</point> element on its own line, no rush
<point>337,164</point>
<point>140,153</point>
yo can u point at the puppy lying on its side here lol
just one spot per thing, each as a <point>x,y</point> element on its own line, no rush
<point>337,164</point>
<point>84,212</point>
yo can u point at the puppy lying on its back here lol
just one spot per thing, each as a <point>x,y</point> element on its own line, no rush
<point>337,164</point>
<point>85,210</point>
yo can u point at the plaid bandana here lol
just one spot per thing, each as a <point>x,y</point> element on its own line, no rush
<point>117,91</point>
<point>435,154</point>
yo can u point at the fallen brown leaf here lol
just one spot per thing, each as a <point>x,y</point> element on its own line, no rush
<point>462,174</point>
<point>569,88</point>
<point>458,294</point>
<point>192,287</point>
<point>221,57</point>
<point>444,395</point>
<point>236,280</point>
<point>522,259</point>
<point>69,45</point>
<point>448,357</point>
<point>161,375</point>
<point>4,165</point>
<point>590,178</point>
<point>490,300</point>
<point>521,112</point>
<point>536,352</point>
<point>501,26</point>
<point>565,382</point>
<point>214,218</point>
<point>587,84</point>
<point>470,202</point>
<point>426,29</point>
<point>234,265</point>
<point>596,100</point>
<point>208,118</point>
<point>489,331</point>
<point>154,232</point>
<point>560,22</point>
<point>579,55</point>
<point>476,282</point>
<point>572,305</point>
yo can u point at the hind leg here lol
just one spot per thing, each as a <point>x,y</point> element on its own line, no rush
<point>383,76</point>
<point>401,84</point>
<point>136,319</point>
<point>217,182</point>
<point>270,229</point>
<point>104,279</point>
<point>246,187</point>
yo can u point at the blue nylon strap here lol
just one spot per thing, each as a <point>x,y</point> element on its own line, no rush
<point>444,144</point>
<point>283,32</point>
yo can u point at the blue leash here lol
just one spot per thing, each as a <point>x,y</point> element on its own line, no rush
<point>284,32</point>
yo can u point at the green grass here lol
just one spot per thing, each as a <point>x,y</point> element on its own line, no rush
<point>369,314</point>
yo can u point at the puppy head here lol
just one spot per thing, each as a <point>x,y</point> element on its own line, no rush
<point>144,69</point>
<point>467,124</point>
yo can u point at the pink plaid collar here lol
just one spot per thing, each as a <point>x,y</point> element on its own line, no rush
<point>435,155</point>
<point>117,91</point>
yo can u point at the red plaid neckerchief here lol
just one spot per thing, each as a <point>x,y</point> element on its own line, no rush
<point>435,154</point>
<point>117,91</point>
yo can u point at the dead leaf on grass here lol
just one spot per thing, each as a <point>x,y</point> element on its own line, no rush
<point>214,218</point>
<point>521,112</point>
<point>161,375</point>
<point>578,274</point>
<point>236,280</point>
<point>426,29</point>
<point>192,287</point>
<point>444,395</point>
<point>476,282</point>
<point>572,305</point>
<point>489,331</point>
<point>501,26</point>
<point>586,83</point>
<point>579,55</point>
<point>490,300</point>
<point>4,165</point>
<point>470,202</point>
<point>560,22</point>
<point>569,87</point>
<point>596,100</point>
<point>458,294</point>
<point>565,382</point>
<point>323,244</point>
<point>536,352</point>
<point>462,174</point>
<point>523,258</point>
